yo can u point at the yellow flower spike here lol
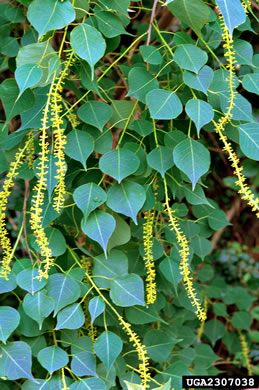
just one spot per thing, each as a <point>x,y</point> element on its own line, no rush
<point>148,257</point>
<point>201,328</point>
<point>5,241</point>
<point>38,195</point>
<point>30,151</point>
<point>245,352</point>
<point>184,266</point>
<point>141,351</point>
<point>244,190</point>
<point>59,136</point>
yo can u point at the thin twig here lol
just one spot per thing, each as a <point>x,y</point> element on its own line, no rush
<point>26,196</point>
<point>151,21</point>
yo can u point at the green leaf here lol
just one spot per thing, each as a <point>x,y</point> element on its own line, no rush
<point>53,358</point>
<point>171,271</point>
<point>151,54</point>
<point>9,46</point>
<point>159,345</point>
<point>196,196</point>
<point>242,108</point>
<point>194,13</point>
<point>32,118</point>
<point>110,25</point>
<point>232,19</point>
<point>241,320</point>
<point>200,112</point>
<point>200,81</point>
<point>121,235</point>
<point>141,315</point>
<point>83,363</point>
<point>190,57</point>
<point>115,265</point>
<point>201,246</point>
<point>80,146</point>
<point>160,159</point>
<point>121,110</point>
<point>163,104</point>
<point>117,5</point>
<point>127,290</point>
<point>214,330</point>
<point>176,371</point>
<point>243,52</point>
<point>88,197</point>
<point>88,384</point>
<point>27,280</point>
<point>96,307</point>
<point>27,76</point>
<point>13,104</point>
<point>16,361</point>
<point>204,356</point>
<point>107,347</point>
<point>99,227</point>
<point>9,320</point>
<point>126,198</point>
<point>217,220</point>
<point>56,15</point>
<point>119,163</point>
<point>71,317</point>
<point>249,140</point>
<point>192,158</point>
<point>58,287</point>
<point>8,285</point>
<point>140,83</point>
<point>142,127</point>
<point>88,44</point>
<point>133,386</point>
<point>251,82</point>
<point>95,113</point>
<point>38,306</point>
<point>56,240</point>
<point>38,53</point>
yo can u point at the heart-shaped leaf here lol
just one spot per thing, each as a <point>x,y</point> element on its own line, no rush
<point>192,158</point>
<point>80,146</point>
<point>163,104</point>
<point>9,320</point>
<point>47,15</point>
<point>200,81</point>
<point>126,198</point>
<point>88,197</point>
<point>107,347</point>
<point>200,112</point>
<point>119,163</point>
<point>88,44</point>
<point>99,227</point>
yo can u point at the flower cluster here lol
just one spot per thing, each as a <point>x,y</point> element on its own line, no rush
<point>148,256</point>
<point>184,265</point>
<point>142,352</point>
<point>245,352</point>
<point>244,189</point>
<point>38,196</point>
<point>201,328</point>
<point>59,136</point>
<point>4,195</point>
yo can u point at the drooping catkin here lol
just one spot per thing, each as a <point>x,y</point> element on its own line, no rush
<point>244,189</point>
<point>5,241</point>
<point>184,265</point>
<point>141,351</point>
<point>59,134</point>
<point>245,352</point>
<point>148,257</point>
<point>38,195</point>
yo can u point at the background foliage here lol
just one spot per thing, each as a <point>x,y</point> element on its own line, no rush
<point>128,253</point>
